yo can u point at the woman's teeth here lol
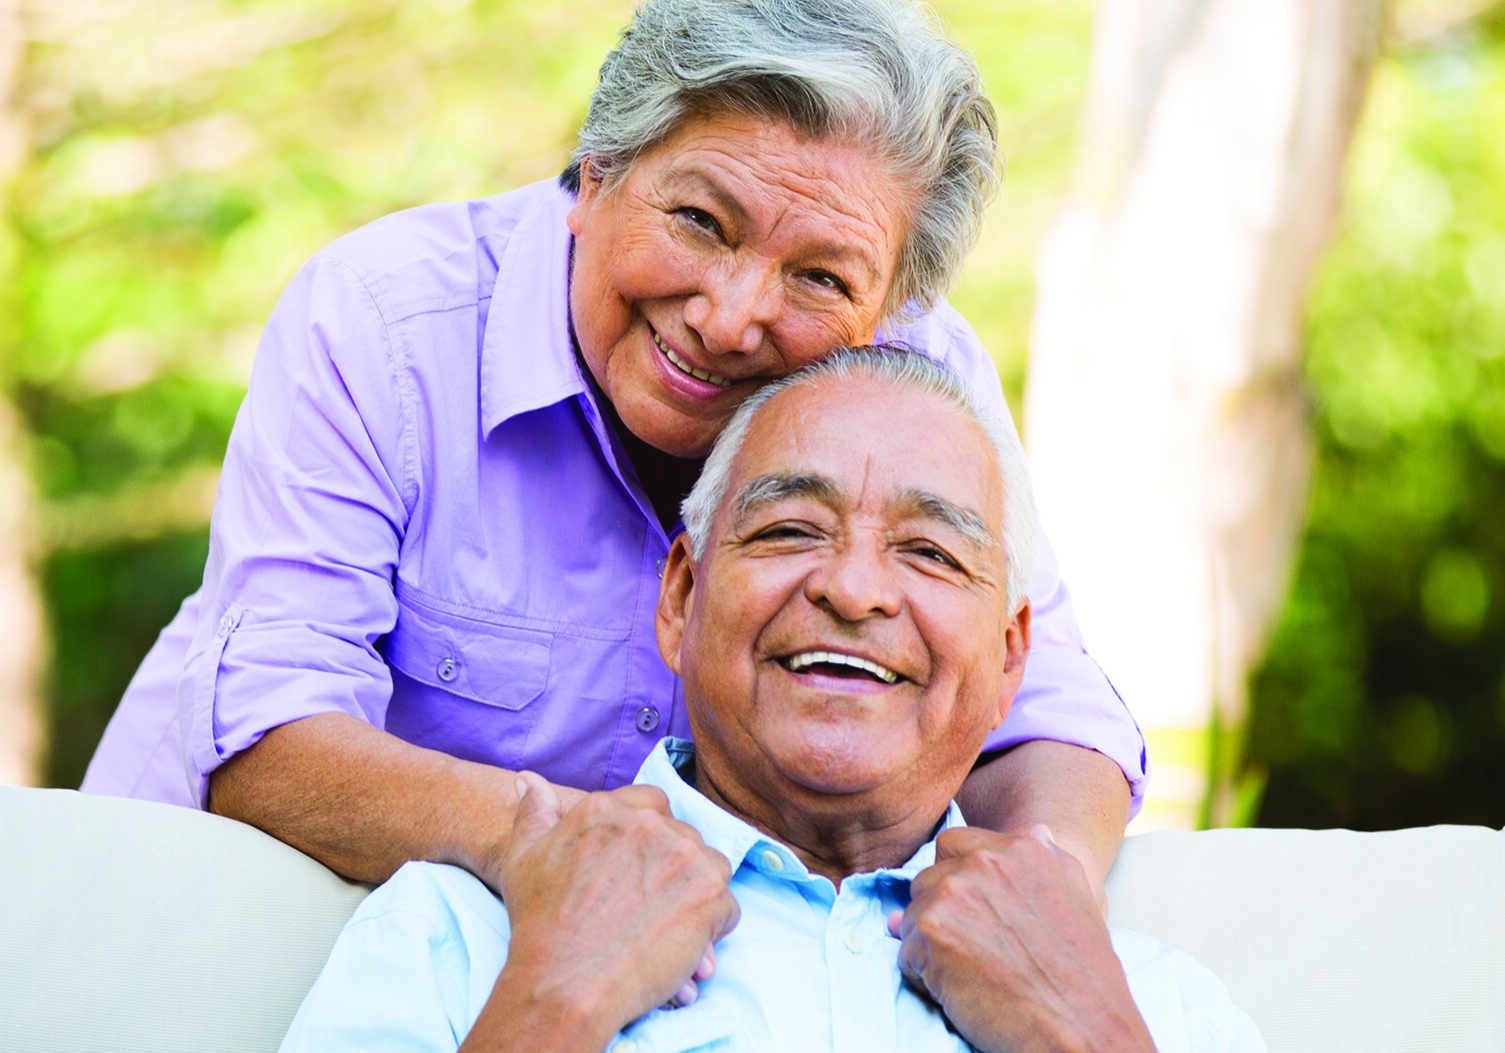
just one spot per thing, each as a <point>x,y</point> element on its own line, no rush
<point>685,367</point>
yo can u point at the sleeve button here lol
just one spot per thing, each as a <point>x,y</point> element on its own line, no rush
<point>448,670</point>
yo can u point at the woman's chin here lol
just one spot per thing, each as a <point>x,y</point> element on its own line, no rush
<point>668,429</point>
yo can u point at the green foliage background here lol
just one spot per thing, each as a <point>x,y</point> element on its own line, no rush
<point>185,158</point>
<point>1382,701</point>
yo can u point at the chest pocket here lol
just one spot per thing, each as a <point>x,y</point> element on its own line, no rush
<point>498,665</point>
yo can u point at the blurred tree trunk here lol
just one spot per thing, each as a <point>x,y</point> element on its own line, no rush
<point>20,606</point>
<point>1165,414</point>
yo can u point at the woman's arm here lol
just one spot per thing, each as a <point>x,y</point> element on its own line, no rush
<point>363,802</point>
<point>1079,793</point>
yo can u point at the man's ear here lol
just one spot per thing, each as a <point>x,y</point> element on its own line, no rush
<point>676,600</point>
<point>1016,650</point>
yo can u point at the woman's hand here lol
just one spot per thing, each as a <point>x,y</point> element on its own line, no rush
<point>1004,932</point>
<point>614,906</point>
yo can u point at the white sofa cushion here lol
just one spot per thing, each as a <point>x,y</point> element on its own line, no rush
<point>127,925</point>
<point>1334,940</point>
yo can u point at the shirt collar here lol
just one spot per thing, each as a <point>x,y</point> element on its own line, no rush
<point>739,841</point>
<point>527,359</point>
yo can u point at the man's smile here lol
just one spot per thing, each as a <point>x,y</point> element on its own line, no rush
<point>837,664</point>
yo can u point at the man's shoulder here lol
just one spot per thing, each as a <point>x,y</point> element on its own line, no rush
<point>1185,1006</point>
<point>449,898</point>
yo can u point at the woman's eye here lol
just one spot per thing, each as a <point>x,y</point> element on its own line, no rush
<point>701,218</point>
<point>827,280</point>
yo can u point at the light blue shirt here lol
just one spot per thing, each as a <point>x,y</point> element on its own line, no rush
<point>808,967</point>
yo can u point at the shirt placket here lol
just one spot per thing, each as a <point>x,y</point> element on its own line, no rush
<point>650,699</point>
<point>858,965</point>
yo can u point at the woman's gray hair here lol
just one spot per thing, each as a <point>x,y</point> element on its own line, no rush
<point>879,73</point>
<point>905,370</point>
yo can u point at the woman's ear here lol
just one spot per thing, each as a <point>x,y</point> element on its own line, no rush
<point>676,601</point>
<point>585,198</point>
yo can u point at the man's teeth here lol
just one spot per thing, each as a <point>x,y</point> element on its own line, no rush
<point>685,367</point>
<point>800,662</point>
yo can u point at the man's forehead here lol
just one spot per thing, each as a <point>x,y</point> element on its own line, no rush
<point>836,439</point>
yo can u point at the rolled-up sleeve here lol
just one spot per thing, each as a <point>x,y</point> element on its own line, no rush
<point>1065,695</point>
<point>306,530</point>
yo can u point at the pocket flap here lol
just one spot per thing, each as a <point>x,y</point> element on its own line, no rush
<point>500,665</point>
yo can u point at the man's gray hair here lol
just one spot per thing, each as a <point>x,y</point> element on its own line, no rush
<point>878,73</point>
<point>904,369</point>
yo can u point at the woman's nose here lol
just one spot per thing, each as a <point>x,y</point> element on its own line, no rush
<point>735,308</point>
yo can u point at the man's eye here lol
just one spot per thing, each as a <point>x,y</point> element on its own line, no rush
<point>784,532</point>
<point>936,555</point>
<point>701,218</point>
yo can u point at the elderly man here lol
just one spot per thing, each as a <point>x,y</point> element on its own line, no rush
<point>846,613</point>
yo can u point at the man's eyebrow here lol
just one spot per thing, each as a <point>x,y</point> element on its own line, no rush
<point>778,486</point>
<point>965,521</point>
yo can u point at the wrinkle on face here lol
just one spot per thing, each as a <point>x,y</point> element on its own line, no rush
<point>747,300</point>
<point>841,499</point>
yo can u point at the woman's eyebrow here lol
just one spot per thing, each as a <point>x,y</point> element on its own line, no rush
<point>692,175</point>
<point>778,486</point>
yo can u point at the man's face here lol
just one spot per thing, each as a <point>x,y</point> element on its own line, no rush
<point>844,642</point>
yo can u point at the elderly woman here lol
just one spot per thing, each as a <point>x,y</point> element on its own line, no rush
<point>453,482</point>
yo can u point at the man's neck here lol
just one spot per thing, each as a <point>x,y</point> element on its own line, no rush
<point>834,836</point>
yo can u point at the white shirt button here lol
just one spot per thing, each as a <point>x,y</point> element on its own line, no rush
<point>225,625</point>
<point>772,860</point>
<point>624,1045</point>
<point>448,670</point>
<point>853,942</point>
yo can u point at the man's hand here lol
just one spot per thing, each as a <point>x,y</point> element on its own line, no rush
<point>614,906</point>
<point>1005,934</point>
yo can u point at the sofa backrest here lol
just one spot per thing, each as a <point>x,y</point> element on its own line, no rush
<point>1334,940</point>
<point>129,926</point>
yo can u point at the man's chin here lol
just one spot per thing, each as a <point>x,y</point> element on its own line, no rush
<point>837,772</point>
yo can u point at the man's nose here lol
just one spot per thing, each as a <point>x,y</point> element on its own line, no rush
<point>855,582</point>
<point>736,306</point>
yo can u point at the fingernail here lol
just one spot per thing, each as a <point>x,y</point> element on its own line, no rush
<point>706,967</point>
<point>520,787</point>
<point>684,996</point>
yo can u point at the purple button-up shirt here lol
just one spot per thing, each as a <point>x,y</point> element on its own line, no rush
<point>425,521</point>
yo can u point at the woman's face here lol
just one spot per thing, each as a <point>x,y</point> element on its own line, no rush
<point>731,253</point>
